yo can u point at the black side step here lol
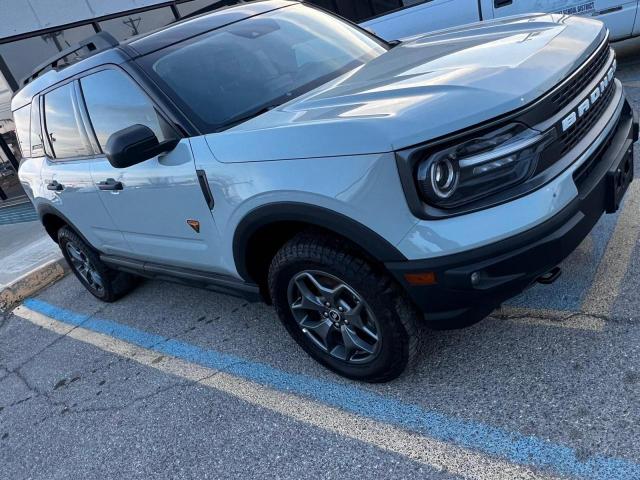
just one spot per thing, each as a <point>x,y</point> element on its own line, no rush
<point>187,276</point>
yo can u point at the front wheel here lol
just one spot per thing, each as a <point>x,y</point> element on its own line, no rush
<point>341,310</point>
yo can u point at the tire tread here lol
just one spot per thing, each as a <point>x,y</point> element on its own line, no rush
<point>335,252</point>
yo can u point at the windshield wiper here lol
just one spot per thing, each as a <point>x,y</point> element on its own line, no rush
<point>248,116</point>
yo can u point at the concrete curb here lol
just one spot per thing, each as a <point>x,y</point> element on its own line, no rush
<point>32,282</point>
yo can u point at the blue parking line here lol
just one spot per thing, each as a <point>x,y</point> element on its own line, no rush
<point>511,446</point>
<point>18,214</point>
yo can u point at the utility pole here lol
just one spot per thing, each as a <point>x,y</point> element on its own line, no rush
<point>133,23</point>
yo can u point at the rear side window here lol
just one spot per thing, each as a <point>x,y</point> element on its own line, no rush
<point>37,145</point>
<point>114,101</point>
<point>62,124</point>
<point>22,119</point>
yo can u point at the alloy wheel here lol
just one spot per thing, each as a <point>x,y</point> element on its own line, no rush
<point>81,264</point>
<point>334,316</point>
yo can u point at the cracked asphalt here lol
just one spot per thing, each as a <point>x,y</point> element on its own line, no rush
<point>559,364</point>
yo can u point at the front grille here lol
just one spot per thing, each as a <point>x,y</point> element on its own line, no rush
<point>572,137</point>
<point>567,92</point>
<point>583,172</point>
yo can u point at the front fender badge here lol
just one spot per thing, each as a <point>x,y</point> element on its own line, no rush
<point>195,224</point>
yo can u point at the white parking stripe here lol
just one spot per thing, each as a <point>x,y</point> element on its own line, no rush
<point>439,455</point>
<point>615,261</point>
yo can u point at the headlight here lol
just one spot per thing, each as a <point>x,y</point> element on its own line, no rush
<point>480,166</point>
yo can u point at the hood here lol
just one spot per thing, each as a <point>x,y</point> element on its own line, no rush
<point>422,89</point>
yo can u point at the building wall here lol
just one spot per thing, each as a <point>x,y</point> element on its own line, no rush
<point>23,16</point>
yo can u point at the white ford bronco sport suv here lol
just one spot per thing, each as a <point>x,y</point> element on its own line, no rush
<point>275,151</point>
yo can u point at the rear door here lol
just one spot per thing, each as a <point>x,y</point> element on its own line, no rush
<point>618,15</point>
<point>66,171</point>
<point>158,204</point>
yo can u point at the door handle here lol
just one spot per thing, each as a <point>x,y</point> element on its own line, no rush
<point>55,186</point>
<point>502,3</point>
<point>110,184</point>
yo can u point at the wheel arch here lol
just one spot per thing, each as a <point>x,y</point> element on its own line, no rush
<point>53,221</point>
<point>265,229</point>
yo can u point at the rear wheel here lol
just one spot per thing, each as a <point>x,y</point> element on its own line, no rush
<point>103,282</point>
<point>341,310</point>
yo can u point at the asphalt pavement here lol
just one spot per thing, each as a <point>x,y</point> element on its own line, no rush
<point>175,382</point>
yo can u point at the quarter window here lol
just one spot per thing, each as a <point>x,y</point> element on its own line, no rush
<point>37,145</point>
<point>63,125</point>
<point>22,117</point>
<point>115,102</point>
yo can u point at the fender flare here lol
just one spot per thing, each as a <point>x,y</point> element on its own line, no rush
<point>46,209</point>
<point>371,242</point>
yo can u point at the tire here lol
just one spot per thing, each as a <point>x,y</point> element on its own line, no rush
<point>316,264</point>
<point>101,281</point>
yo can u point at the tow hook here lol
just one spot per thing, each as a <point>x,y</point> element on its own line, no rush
<point>550,277</point>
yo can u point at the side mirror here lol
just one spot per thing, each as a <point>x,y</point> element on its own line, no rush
<point>135,144</point>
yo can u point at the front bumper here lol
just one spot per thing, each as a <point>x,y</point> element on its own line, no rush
<point>470,284</point>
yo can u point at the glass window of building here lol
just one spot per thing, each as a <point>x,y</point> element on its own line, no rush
<point>9,183</point>
<point>196,7</point>
<point>380,7</point>
<point>115,102</point>
<point>362,10</point>
<point>136,23</point>
<point>62,124</point>
<point>22,56</point>
<point>355,10</point>
<point>326,4</point>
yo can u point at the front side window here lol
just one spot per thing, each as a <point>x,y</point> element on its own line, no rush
<point>114,101</point>
<point>226,76</point>
<point>62,124</point>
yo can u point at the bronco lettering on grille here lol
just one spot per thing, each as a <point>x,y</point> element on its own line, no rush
<point>584,106</point>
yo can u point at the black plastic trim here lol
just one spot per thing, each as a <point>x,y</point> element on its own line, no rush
<point>46,209</point>
<point>206,190</point>
<point>371,242</point>
<point>198,278</point>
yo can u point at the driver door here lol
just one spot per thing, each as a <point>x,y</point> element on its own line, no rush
<point>158,204</point>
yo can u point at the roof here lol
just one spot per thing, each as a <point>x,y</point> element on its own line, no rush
<point>188,28</point>
<point>144,44</point>
<point>22,97</point>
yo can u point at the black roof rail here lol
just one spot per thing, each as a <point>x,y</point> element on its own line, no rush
<point>94,44</point>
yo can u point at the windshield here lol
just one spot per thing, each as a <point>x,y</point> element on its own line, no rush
<point>226,76</point>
